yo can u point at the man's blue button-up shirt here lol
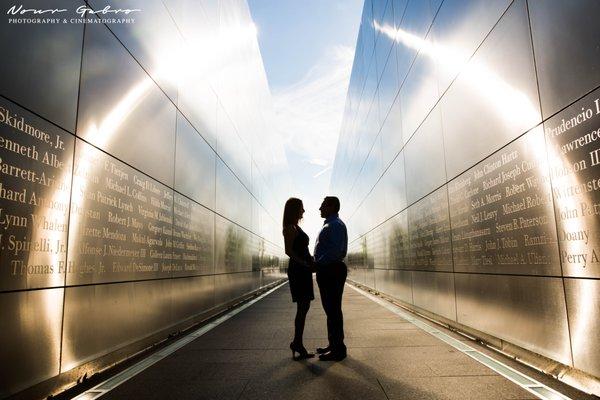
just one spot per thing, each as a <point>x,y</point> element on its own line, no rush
<point>332,242</point>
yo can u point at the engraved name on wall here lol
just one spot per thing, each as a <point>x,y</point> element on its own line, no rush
<point>193,238</point>
<point>35,182</point>
<point>121,222</point>
<point>429,233</point>
<point>501,212</point>
<point>573,142</point>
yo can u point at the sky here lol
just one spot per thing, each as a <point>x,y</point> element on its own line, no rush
<point>307,48</point>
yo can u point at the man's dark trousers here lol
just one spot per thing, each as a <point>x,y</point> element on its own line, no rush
<point>331,279</point>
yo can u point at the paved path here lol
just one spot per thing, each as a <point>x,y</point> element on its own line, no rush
<point>247,357</point>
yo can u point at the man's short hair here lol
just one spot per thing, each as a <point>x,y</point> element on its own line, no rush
<point>334,201</point>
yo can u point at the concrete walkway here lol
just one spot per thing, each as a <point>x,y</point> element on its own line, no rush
<point>247,357</point>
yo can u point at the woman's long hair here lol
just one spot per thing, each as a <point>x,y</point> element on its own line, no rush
<point>292,211</point>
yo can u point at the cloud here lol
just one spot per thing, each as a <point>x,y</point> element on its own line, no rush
<point>318,174</point>
<point>308,113</point>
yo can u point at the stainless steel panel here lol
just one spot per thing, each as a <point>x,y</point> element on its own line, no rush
<point>230,247</point>
<point>154,41</point>
<point>195,165</point>
<point>256,249</point>
<point>434,291</point>
<point>356,257</point>
<point>502,214</point>
<point>121,222</point>
<point>429,233</point>
<point>36,160</point>
<point>459,28</point>
<point>121,110</point>
<point>231,286</point>
<point>368,34</point>
<point>30,322</point>
<point>377,248</point>
<point>394,186</point>
<point>191,296</point>
<point>412,26</point>
<point>389,85</point>
<point>424,159</point>
<point>193,238</point>
<point>392,138</point>
<point>566,50</point>
<point>583,308</point>
<point>198,102</point>
<point>398,244</point>
<point>395,283</point>
<point>519,309</point>
<point>379,7</point>
<point>495,98</point>
<point>573,152</point>
<point>40,67</point>
<point>369,277</point>
<point>383,45</point>
<point>232,149</point>
<point>419,93</point>
<point>233,200</point>
<point>100,319</point>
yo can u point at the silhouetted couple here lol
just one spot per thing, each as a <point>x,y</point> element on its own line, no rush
<point>330,249</point>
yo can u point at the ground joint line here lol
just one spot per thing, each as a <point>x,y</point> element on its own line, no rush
<point>531,385</point>
<point>114,381</point>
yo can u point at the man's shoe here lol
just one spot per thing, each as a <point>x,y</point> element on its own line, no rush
<point>323,350</point>
<point>333,356</point>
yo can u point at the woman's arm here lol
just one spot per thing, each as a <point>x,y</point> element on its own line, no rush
<point>289,234</point>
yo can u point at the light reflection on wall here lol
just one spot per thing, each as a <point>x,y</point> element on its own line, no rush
<point>472,64</point>
<point>509,102</point>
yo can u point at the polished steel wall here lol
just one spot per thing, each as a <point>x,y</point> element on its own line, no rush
<point>468,163</point>
<point>139,180</point>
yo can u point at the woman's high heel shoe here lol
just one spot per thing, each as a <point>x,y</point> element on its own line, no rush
<point>302,353</point>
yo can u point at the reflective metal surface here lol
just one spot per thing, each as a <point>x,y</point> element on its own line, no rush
<point>193,238</point>
<point>393,183</point>
<point>567,58</point>
<point>573,150</point>
<point>126,220</point>
<point>121,110</point>
<point>190,297</point>
<point>434,291</point>
<point>501,213</point>
<point>232,286</point>
<point>494,99</point>
<point>519,309</point>
<point>233,200</point>
<point>195,164</point>
<point>102,318</point>
<point>155,49</point>
<point>459,28</point>
<point>583,302</point>
<point>425,173</point>
<point>398,242</point>
<point>477,184</point>
<point>40,69</point>
<point>121,222</point>
<point>36,160</point>
<point>395,283</point>
<point>429,233</point>
<point>30,322</point>
<point>231,244</point>
<point>419,93</point>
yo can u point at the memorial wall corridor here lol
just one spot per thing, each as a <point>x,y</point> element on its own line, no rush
<point>467,167</point>
<point>136,195</point>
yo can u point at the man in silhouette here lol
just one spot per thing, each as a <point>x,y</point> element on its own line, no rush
<point>330,249</point>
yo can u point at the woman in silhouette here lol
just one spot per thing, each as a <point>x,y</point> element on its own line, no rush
<point>299,271</point>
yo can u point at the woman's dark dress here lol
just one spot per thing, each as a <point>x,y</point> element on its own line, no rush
<point>301,282</point>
